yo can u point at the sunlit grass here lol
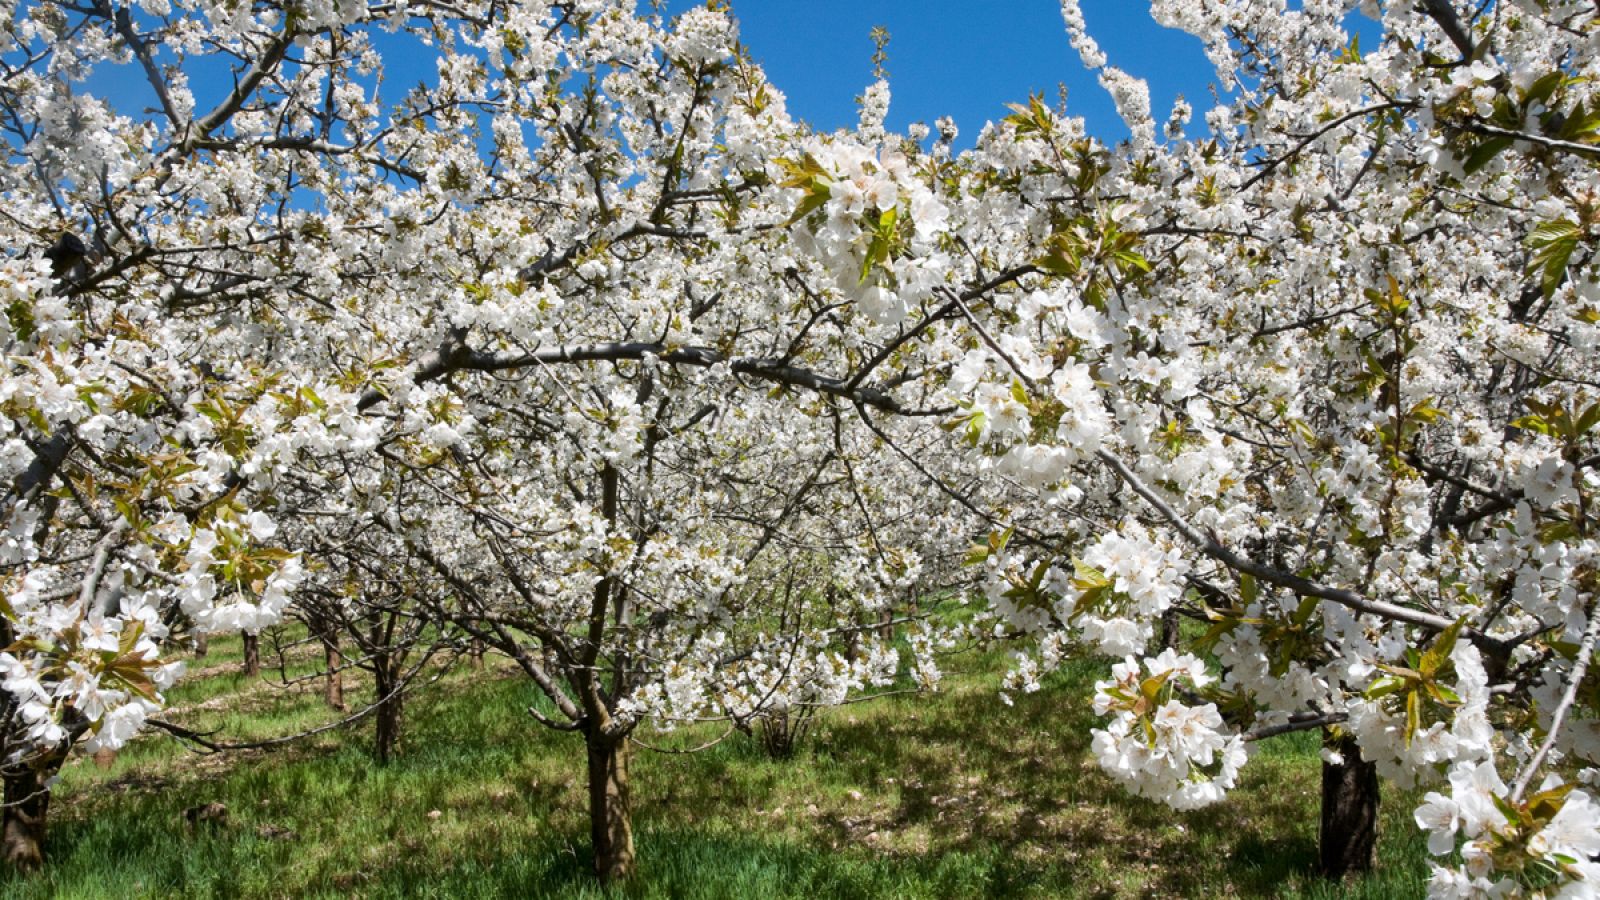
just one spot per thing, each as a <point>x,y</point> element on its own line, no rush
<point>954,795</point>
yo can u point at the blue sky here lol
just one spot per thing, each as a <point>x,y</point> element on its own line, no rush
<point>961,58</point>
<point>964,58</point>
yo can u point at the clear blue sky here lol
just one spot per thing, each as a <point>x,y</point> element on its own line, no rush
<point>963,58</point>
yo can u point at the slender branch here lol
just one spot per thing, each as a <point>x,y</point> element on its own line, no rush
<point>1304,587</point>
<point>1585,150</point>
<point>1441,12</point>
<point>1505,502</point>
<point>122,20</point>
<point>1309,139</point>
<point>686,750</point>
<point>97,567</point>
<point>1296,723</point>
<point>275,50</point>
<point>202,739</point>
<point>1568,698</point>
<point>453,357</point>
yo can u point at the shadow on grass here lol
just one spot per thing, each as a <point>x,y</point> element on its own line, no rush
<point>946,796</point>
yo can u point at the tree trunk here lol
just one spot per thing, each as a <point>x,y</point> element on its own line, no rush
<point>1169,629</point>
<point>610,809</point>
<point>252,655</point>
<point>202,644</point>
<point>387,740</point>
<point>22,821</point>
<point>1349,809</point>
<point>333,686</point>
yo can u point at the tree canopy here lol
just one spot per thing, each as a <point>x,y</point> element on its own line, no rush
<point>612,365</point>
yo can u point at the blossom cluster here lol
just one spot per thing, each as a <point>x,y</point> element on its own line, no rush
<point>1157,743</point>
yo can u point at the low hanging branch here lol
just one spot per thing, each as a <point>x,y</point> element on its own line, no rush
<point>203,739</point>
<point>1303,587</point>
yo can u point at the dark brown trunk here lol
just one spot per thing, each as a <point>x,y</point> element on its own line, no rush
<point>333,685</point>
<point>202,644</point>
<point>252,655</point>
<point>477,651</point>
<point>386,742</point>
<point>1169,629</point>
<point>1349,809</point>
<point>610,809</point>
<point>27,805</point>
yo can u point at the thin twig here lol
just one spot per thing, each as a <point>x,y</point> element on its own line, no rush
<point>1579,669</point>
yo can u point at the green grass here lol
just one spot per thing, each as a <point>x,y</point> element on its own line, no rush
<point>954,795</point>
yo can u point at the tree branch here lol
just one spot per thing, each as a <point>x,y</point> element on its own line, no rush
<point>1304,587</point>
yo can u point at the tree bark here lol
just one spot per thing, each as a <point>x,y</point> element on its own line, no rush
<point>202,644</point>
<point>610,808</point>
<point>386,742</point>
<point>1169,629</point>
<point>333,686</point>
<point>1349,809</point>
<point>252,655</point>
<point>27,805</point>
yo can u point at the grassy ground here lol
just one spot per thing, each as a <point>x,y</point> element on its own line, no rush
<point>954,795</point>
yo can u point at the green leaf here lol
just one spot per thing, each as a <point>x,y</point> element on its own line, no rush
<point>1018,392</point>
<point>1557,532</point>
<point>816,197</point>
<point>1413,714</point>
<point>1087,577</point>
<point>1302,613</point>
<point>1443,694</point>
<point>1063,255</point>
<point>999,539</point>
<point>1151,687</point>
<point>1554,265</point>
<point>1579,124</point>
<point>130,636</point>
<point>974,432</point>
<point>1542,90</point>
<point>1393,302</point>
<point>1249,589</point>
<point>1131,260</point>
<point>20,314</point>
<point>1442,647</point>
<point>1553,230</point>
<point>1513,815</point>
<point>1544,805</point>
<point>1383,687</point>
<point>1351,53</point>
<point>1587,419</point>
<point>1034,118</point>
<point>1426,412</point>
<point>128,511</point>
<point>1485,153</point>
<point>1535,423</point>
<point>1208,641</point>
<point>882,239</point>
<point>802,171</point>
<point>1554,243</point>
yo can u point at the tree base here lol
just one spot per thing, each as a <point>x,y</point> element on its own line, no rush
<point>1349,810</point>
